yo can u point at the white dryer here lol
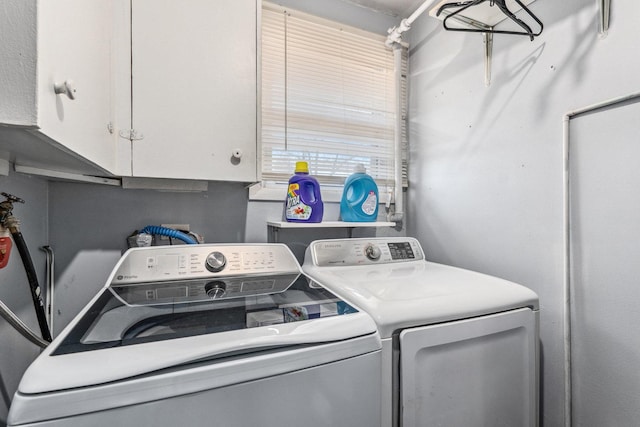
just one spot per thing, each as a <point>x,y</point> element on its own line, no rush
<point>459,348</point>
<point>207,335</point>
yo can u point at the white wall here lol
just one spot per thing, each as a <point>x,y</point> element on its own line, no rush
<point>486,163</point>
<point>341,11</point>
<point>18,62</point>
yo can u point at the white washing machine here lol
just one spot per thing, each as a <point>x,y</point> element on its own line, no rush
<point>459,348</point>
<point>207,335</point>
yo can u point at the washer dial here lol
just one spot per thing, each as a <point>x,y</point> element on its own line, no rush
<point>215,262</point>
<point>372,252</point>
<point>215,290</point>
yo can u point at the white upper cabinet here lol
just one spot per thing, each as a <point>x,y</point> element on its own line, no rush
<point>193,89</point>
<point>65,44</point>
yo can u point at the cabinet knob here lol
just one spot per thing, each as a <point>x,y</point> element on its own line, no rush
<point>237,154</point>
<point>66,88</point>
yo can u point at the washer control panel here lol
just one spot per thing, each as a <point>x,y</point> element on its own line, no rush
<point>159,263</point>
<point>348,252</point>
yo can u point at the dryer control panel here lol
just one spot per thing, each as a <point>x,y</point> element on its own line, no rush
<point>350,252</point>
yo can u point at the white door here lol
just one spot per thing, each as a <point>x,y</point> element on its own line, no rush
<point>194,89</point>
<point>604,185</point>
<point>74,46</point>
<point>480,372</point>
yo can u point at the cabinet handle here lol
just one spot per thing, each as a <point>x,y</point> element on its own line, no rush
<point>237,154</point>
<point>66,88</point>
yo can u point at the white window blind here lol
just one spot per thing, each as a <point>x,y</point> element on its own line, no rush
<point>328,97</point>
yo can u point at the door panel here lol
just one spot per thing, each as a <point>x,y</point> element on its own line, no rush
<point>476,372</point>
<point>194,89</point>
<point>604,185</point>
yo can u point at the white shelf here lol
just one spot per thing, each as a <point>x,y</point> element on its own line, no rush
<point>329,224</point>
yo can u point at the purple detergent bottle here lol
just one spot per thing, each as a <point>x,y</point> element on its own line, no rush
<point>304,202</point>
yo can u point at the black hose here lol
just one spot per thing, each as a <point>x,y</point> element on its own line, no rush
<point>36,294</point>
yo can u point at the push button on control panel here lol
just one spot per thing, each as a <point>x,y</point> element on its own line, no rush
<point>401,251</point>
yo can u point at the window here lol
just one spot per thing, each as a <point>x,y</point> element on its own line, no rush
<point>328,97</point>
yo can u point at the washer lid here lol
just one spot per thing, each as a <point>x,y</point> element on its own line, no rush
<point>134,329</point>
<point>400,295</point>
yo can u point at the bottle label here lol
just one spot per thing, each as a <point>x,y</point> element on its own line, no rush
<point>369,205</point>
<point>295,208</point>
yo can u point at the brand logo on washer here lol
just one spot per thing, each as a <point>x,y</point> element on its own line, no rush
<point>121,277</point>
<point>331,245</point>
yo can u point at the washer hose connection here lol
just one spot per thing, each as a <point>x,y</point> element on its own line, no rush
<point>169,232</point>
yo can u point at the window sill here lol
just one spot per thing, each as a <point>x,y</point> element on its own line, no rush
<point>330,224</point>
<point>275,192</point>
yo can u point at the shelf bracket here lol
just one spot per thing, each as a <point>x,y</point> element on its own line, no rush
<point>487,39</point>
<point>605,16</point>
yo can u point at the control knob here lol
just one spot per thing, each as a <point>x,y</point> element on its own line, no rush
<point>215,290</point>
<point>372,252</point>
<point>215,262</point>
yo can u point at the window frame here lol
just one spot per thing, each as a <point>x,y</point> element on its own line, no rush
<point>269,190</point>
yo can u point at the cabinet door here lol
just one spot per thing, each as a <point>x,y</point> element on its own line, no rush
<point>74,44</point>
<point>194,89</point>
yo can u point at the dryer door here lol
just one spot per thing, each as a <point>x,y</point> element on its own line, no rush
<point>476,372</point>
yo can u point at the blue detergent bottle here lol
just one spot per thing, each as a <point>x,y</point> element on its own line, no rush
<point>303,202</point>
<point>359,201</point>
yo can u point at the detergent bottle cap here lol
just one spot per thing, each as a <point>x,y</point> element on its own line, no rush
<point>302,167</point>
<point>360,168</point>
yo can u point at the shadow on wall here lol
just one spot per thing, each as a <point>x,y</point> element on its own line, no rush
<point>6,398</point>
<point>96,217</point>
<point>16,354</point>
<point>79,283</point>
<point>510,77</point>
<point>572,64</point>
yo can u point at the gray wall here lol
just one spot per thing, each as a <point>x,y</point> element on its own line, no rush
<point>487,163</point>
<point>15,352</point>
<point>91,216</point>
<point>89,224</point>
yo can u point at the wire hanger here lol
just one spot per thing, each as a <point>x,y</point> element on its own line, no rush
<point>505,10</point>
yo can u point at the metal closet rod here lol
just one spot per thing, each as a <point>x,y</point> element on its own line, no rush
<point>395,33</point>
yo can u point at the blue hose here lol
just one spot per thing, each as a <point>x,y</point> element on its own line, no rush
<point>169,232</point>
